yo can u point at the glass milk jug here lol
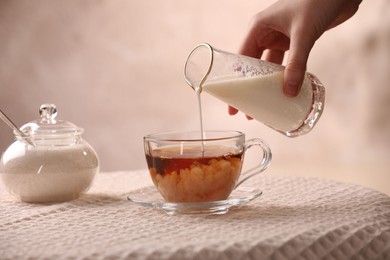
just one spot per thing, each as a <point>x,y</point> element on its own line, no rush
<point>254,87</point>
<point>54,165</point>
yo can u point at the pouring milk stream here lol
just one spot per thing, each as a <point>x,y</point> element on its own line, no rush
<point>254,87</point>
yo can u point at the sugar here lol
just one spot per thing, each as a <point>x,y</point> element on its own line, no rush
<point>47,173</point>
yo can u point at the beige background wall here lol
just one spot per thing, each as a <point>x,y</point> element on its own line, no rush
<point>116,69</point>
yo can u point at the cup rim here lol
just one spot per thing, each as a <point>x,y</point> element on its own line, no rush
<point>194,136</point>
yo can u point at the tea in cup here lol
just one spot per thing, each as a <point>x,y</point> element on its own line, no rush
<point>190,167</point>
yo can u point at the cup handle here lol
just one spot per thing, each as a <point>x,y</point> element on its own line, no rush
<point>265,161</point>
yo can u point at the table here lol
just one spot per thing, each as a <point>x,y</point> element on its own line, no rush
<point>295,218</point>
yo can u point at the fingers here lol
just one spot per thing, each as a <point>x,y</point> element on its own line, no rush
<point>300,47</point>
<point>250,46</point>
<point>232,111</point>
<point>275,56</point>
<point>293,78</point>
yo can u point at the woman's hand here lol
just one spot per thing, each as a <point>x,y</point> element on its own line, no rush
<point>294,26</point>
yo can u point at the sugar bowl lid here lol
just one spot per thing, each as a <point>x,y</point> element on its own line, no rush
<point>48,127</point>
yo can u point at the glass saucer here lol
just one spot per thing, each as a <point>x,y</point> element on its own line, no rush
<point>151,198</point>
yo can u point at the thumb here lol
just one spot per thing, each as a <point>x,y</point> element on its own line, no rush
<point>294,73</point>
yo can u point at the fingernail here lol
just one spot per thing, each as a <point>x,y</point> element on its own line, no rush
<point>291,89</point>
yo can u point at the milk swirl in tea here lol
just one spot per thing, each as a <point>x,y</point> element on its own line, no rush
<point>189,175</point>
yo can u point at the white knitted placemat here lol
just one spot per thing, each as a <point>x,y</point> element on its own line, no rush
<point>295,218</point>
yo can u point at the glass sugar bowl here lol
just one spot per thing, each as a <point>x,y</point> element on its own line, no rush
<point>54,165</point>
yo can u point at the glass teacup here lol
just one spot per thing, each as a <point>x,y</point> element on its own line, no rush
<point>185,167</point>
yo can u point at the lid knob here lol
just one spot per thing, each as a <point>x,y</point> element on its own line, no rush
<point>48,112</point>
